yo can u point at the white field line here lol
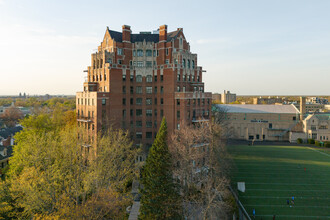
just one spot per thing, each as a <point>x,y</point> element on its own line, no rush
<point>285,190</point>
<point>296,216</point>
<point>286,197</point>
<point>328,155</point>
<point>296,206</point>
<point>291,184</point>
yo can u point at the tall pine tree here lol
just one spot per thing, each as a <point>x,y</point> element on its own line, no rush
<point>160,198</point>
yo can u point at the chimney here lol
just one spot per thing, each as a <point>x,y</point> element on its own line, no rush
<point>126,33</point>
<point>163,33</point>
<point>302,107</point>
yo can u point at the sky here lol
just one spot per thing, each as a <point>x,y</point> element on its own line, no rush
<point>254,47</point>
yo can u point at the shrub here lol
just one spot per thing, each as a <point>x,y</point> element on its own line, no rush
<point>299,141</point>
<point>327,144</point>
<point>317,143</point>
<point>311,141</point>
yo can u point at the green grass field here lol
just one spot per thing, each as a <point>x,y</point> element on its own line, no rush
<point>273,174</point>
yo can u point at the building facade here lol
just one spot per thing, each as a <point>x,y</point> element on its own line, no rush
<point>136,79</point>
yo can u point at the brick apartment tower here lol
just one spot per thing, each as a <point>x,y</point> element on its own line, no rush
<point>136,79</point>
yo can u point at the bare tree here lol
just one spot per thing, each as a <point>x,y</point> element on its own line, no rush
<point>201,167</point>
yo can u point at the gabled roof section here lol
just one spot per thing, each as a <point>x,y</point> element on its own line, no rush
<point>173,35</point>
<point>115,35</point>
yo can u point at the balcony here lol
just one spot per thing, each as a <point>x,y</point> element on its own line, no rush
<point>193,95</point>
<point>84,119</point>
<point>201,119</point>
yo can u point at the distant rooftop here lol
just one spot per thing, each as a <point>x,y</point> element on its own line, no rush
<point>275,109</point>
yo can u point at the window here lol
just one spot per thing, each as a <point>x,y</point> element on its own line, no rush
<point>149,124</point>
<point>120,62</point>
<point>140,53</point>
<point>184,89</point>
<point>138,89</point>
<point>138,112</point>
<point>149,89</point>
<point>131,112</point>
<point>148,135</point>
<point>138,78</point>
<point>131,101</point>
<point>193,78</point>
<point>188,78</point>
<point>167,61</point>
<point>161,78</point>
<point>155,101</point>
<point>105,77</point>
<point>124,113</point>
<point>161,101</point>
<point>161,113</point>
<point>294,118</point>
<point>149,112</point>
<point>124,101</point>
<point>178,76</point>
<point>124,77</point>
<point>148,53</point>
<point>181,41</point>
<point>154,53</point>
<point>193,64</point>
<point>155,112</point>
<point>270,125</point>
<point>119,51</point>
<point>188,62</point>
<point>161,89</point>
<point>103,102</point>
<point>124,89</point>
<point>134,53</point>
<point>166,51</point>
<point>155,77</point>
<point>178,114</point>
<point>138,124</point>
<point>149,64</point>
<point>138,135</point>
<point>148,101</point>
<point>131,77</point>
<point>131,89</point>
<point>178,89</point>
<point>155,89</point>
<point>149,78</point>
<point>139,101</point>
<point>198,78</point>
<point>139,64</point>
<point>184,63</point>
<point>178,102</point>
<point>175,61</point>
<point>157,53</point>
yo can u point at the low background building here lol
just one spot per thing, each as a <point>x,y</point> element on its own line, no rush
<point>261,122</point>
<point>269,100</point>
<point>225,98</point>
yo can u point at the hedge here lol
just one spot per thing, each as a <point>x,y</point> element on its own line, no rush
<point>311,141</point>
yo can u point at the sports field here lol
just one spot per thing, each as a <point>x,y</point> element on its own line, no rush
<point>273,174</point>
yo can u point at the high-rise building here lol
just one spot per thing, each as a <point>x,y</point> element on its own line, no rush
<point>136,79</point>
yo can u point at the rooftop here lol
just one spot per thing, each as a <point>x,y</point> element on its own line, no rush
<point>148,37</point>
<point>274,109</point>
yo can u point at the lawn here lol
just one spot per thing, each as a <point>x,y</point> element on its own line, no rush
<point>273,174</point>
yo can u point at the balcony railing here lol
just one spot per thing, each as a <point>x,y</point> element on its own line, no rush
<point>84,119</point>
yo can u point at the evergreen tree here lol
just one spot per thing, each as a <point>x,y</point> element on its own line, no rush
<point>160,198</point>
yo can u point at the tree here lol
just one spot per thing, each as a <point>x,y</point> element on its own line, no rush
<point>160,198</point>
<point>201,165</point>
<point>11,116</point>
<point>48,176</point>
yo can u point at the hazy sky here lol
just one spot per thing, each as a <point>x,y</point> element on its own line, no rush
<point>248,47</point>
